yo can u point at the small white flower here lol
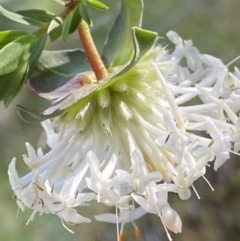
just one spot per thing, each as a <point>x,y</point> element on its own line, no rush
<point>136,140</point>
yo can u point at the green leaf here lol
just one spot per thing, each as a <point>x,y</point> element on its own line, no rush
<point>95,4</point>
<point>10,57</point>
<point>76,19</point>
<point>55,68</point>
<point>15,53</point>
<point>40,16</point>
<point>55,29</point>
<point>84,14</point>
<point>20,18</point>
<point>14,66</point>
<point>66,27</point>
<point>143,41</point>
<point>10,84</point>
<point>9,36</point>
<point>37,51</point>
<point>119,45</point>
<point>31,117</point>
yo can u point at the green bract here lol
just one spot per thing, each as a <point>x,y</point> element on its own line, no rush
<point>143,41</point>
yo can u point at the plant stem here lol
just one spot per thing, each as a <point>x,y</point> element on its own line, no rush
<point>91,51</point>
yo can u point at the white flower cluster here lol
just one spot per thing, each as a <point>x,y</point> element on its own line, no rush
<point>150,133</point>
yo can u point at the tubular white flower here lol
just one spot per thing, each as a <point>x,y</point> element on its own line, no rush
<point>136,140</point>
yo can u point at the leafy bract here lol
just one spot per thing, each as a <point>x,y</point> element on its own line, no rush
<point>143,40</point>
<point>119,46</point>
<point>56,80</point>
<point>28,17</point>
<point>56,68</point>
<point>31,117</point>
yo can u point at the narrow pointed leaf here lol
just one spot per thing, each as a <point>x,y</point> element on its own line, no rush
<point>40,16</point>
<point>31,117</point>
<point>84,14</point>
<point>119,46</point>
<point>76,19</point>
<point>37,51</point>
<point>20,18</point>
<point>66,27</point>
<point>143,41</point>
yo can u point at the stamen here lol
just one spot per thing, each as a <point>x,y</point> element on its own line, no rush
<point>234,152</point>
<point>118,235</point>
<point>237,58</point>
<point>170,98</point>
<point>102,164</point>
<point>31,217</point>
<point>168,234</point>
<point>121,230</point>
<point>137,231</point>
<point>228,110</point>
<point>195,192</point>
<point>68,229</point>
<point>122,235</point>
<point>209,184</point>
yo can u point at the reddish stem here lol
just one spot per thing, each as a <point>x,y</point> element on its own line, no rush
<point>91,51</point>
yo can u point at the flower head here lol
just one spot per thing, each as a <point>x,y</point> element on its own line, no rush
<point>138,138</point>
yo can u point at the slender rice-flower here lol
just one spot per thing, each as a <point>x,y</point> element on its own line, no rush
<point>150,132</point>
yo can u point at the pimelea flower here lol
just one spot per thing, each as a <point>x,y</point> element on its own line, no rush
<point>131,143</point>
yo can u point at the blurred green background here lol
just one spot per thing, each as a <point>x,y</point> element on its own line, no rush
<point>214,27</point>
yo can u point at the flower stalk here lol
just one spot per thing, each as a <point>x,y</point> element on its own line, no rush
<point>91,51</point>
